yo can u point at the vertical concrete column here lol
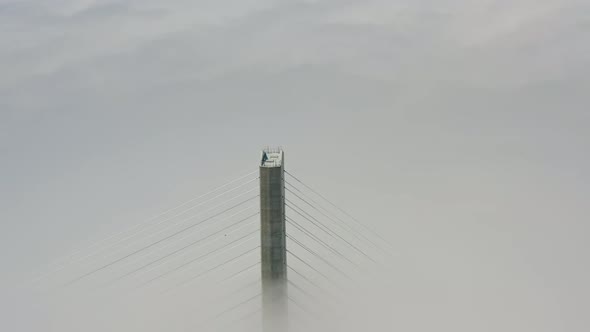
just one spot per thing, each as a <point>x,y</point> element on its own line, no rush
<point>273,241</point>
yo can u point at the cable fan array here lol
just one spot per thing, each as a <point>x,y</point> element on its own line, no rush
<point>208,249</point>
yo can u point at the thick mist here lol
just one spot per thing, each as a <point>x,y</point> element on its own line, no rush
<point>455,130</point>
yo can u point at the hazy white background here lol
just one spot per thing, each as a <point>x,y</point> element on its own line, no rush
<point>458,129</point>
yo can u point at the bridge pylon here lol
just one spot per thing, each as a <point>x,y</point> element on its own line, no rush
<point>273,240</point>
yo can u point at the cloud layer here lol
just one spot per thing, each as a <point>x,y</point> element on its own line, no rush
<point>457,128</point>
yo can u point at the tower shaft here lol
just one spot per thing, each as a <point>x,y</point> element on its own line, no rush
<point>273,241</point>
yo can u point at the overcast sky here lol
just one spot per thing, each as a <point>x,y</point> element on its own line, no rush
<point>458,129</point>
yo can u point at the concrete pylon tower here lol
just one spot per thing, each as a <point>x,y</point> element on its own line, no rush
<point>273,240</point>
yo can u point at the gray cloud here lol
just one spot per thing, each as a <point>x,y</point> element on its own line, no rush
<point>458,128</point>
